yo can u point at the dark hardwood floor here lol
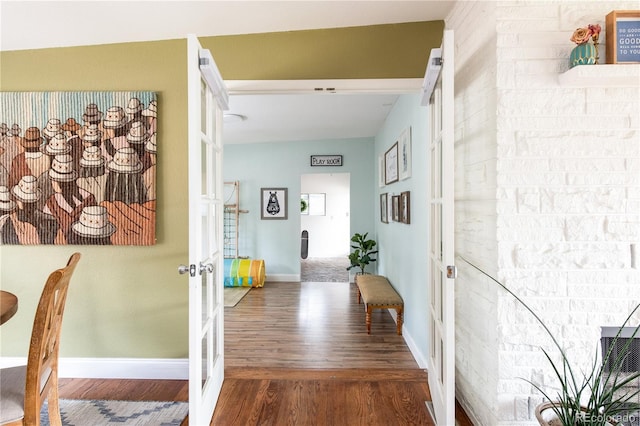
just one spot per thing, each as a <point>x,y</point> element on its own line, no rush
<point>299,354</point>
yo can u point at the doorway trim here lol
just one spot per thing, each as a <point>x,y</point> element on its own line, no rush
<point>373,86</point>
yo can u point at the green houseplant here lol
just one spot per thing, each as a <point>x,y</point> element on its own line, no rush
<point>362,253</point>
<point>598,396</point>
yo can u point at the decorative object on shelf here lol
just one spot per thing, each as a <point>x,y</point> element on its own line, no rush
<point>273,203</point>
<point>585,53</point>
<point>623,37</point>
<point>363,252</point>
<point>405,207</point>
<point>384,218</point>
<point>405,153</point>
<point>391,164</point>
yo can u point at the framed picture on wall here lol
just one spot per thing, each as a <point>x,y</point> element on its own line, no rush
<point>395,208</point>
<point>383,208</point>
<point>381,170</point>
<point>405,207</point>
<point>391,165</point>
<point>404,160</point>
<point>115,187</point>
<point>623,41</point>
<point>273,203</point>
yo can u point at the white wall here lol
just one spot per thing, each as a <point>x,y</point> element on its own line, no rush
<point>560,166</point>
<point>475,154</point>
<point>329,235</point>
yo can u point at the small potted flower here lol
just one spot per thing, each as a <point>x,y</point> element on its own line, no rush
<point>585,53</point>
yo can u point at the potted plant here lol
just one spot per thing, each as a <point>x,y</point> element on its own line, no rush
<point>362,253</point>
<point>598,396</point>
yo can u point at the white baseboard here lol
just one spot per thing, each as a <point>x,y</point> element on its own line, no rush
<point>283,278</point>
<point>115,368</point>
<point>151,368</point>
<point>417,355</point>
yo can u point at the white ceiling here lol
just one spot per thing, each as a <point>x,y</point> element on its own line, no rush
<point>43,24</point>
<point>299,117</point>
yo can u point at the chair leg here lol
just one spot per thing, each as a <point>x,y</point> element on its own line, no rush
<point>54,405</point>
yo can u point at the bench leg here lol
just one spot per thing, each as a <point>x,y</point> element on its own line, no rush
<point>368,319</point>
<point>359,295</point>
<point>399,312</point>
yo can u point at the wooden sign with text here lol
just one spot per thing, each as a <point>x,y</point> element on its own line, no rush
<point>326,160</point>
<point>623,37</point>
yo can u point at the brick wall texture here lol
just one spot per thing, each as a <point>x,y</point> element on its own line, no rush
<point>547,194</point>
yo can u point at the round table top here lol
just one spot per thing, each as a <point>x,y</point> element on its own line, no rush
<point>8,305</point>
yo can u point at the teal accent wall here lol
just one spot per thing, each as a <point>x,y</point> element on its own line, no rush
<point>280,165</point>
<point>403,256</point>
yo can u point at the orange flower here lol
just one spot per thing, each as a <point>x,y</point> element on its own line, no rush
<point>581,35</point>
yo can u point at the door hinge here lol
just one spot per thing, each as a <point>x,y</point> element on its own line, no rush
<point>452,272</point>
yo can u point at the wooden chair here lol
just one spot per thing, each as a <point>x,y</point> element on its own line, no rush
<point>24,389</point>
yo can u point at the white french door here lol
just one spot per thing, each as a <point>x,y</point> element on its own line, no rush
<point>441,361</point>
<point>207,98</point>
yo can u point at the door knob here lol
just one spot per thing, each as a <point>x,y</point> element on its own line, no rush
<point>184,269</point>
<point>206,267</point>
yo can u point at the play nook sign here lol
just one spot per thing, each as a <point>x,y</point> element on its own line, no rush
<point>326,160</point>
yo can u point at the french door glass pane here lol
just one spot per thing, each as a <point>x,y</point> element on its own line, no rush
<point>204,110</point>
<point>205,356</point>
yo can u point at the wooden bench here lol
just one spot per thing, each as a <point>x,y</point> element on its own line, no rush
<point>378,293</point>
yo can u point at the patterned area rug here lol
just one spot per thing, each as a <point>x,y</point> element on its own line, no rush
<point>233,295</point>
<point>122,413</point>
<point>324,269</point>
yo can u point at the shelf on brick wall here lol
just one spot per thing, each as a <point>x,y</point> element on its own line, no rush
<point>618,75</point>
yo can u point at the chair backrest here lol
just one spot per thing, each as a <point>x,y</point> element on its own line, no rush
<point>42,364</point>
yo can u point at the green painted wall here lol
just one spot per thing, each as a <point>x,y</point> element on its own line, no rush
<point>380,51</point>
<point>124,301</point>
<point>130,301</point>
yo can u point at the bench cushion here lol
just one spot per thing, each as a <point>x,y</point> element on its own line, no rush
<point>377,290</point>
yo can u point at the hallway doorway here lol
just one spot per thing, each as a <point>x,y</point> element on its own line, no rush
<point>325,215</point>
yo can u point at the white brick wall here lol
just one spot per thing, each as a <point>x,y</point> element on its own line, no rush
<point>547,199</point>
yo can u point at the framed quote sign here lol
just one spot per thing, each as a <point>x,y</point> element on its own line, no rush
<point>623,37</point>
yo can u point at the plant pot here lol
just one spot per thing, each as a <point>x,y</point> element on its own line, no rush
<point>547,417</point>
<point>583,54</point>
